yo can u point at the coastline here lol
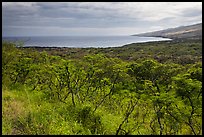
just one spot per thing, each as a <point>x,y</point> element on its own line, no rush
<point>82,42</point>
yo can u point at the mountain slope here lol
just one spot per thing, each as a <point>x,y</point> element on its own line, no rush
<point>182,32</point>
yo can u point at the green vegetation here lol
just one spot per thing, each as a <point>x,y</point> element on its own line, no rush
<point>133,89</point>
<point>176,51</point>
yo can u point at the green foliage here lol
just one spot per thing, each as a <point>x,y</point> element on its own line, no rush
<point>186,52</point>
<point>100,93</point>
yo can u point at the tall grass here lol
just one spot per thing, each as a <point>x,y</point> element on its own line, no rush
<point>27,113</point>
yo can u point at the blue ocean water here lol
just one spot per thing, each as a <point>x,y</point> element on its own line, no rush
<point>81,41</point>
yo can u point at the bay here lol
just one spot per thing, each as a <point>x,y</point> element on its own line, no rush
<point>81,41</point>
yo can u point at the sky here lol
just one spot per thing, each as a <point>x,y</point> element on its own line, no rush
<point>95,18</point>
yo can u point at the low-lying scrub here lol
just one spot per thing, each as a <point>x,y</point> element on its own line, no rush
<point>98,94</point>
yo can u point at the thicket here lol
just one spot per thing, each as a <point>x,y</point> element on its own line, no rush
<point>98,94</point>
<point>179,52</point>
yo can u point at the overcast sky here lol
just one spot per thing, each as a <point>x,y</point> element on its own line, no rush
<point>95,18</point>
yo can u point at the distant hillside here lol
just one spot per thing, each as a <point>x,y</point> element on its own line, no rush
<point>182,32</point>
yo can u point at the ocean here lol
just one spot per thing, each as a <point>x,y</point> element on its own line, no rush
<point>81,41</point>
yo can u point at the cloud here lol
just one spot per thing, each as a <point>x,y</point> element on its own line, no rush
<point>111,16</point>
<point>191,12</point>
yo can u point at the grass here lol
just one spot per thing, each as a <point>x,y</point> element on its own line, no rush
<point>26,113</point>
<point>29,113</point>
